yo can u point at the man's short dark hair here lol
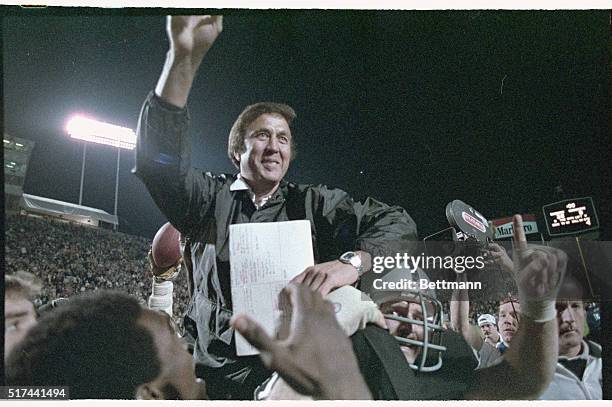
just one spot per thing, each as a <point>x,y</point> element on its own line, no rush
<point>93,344</point>
<point>235,142</point>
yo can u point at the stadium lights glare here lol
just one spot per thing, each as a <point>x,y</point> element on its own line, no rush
<point>82,128</point>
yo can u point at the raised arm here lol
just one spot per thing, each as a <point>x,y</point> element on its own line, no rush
<point>530,361</point>
<point>190,39</point>
<point>459,316</point>
<point>163,148</point>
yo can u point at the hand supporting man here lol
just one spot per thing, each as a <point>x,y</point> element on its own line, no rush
<point>325,277</point>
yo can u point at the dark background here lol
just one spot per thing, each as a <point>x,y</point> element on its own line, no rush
<point>414,108</point>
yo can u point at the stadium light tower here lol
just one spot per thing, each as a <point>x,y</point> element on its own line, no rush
<point>93,131</point>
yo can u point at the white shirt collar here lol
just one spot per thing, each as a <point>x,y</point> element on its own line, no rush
<point>584,352</point>
<point>241,185</point>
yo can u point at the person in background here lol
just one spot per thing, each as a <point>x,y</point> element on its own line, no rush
<point>19,312</point>
<point>104,345</point>
<point>578,374</point>
<point>488,327</point>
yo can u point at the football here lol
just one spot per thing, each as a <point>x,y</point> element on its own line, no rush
<point>166,246</point>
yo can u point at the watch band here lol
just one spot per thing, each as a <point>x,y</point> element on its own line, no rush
<point>354,260</point>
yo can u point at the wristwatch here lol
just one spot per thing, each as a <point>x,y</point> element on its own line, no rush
<point>354,260</point>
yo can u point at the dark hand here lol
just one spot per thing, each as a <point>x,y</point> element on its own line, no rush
<point>316,358</point>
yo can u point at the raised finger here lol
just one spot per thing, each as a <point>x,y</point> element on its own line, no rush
<point>518,234</point>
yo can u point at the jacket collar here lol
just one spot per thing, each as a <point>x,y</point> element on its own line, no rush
<point>240,185</point>
<point>584,352</point>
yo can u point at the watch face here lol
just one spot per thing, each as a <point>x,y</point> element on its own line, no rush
<point>351,258</point>
<point>348,257</point>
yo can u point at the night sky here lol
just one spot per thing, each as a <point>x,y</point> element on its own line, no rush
<point>494,108</point>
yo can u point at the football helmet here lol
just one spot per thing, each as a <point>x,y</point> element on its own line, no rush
<point>431,348</point>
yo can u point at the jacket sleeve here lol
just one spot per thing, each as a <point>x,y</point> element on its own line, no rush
<point>370,225</point>
<point>163,163</point>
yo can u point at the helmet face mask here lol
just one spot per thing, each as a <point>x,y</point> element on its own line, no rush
<point>419,319</point>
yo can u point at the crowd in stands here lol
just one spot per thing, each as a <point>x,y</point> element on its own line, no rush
<point>69,258</point>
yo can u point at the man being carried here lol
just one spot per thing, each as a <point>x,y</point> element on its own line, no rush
<point>202,206</point>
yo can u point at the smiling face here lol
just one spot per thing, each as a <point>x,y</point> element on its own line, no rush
<point>267,152</point>
<point>571,316</point>
<point>508,320</point>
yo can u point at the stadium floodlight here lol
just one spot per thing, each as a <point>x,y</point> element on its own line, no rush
<point>83,128</point>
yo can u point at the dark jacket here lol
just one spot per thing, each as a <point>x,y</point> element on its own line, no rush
<point>202,207</point>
